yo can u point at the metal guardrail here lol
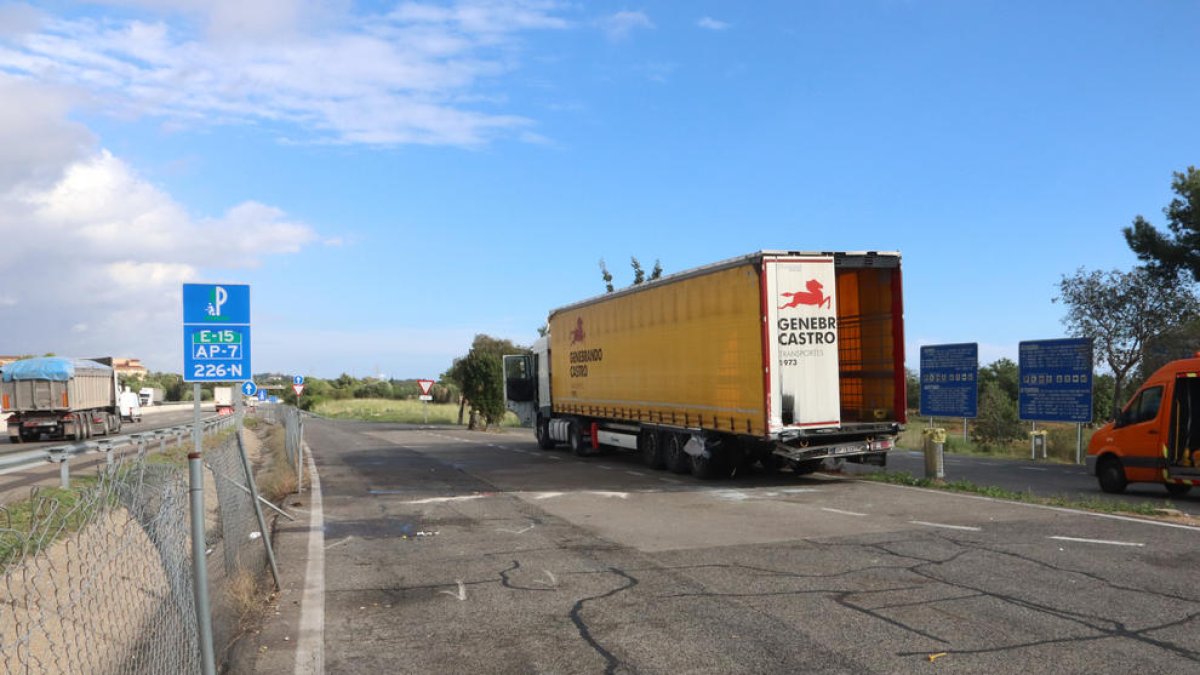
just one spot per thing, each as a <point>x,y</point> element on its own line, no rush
<point>62,454</point>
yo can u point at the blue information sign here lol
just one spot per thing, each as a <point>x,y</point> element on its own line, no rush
<point>299,379</point>
<point>262,395</point>
<point>950,380</point>
<point>216,332</point>
<point>1055,380</point>
<point>249,388</point>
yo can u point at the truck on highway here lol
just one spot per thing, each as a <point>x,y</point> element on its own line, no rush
<point>1156,437</point>
<point>223,398</point>
<point>782,358</point>
<point>149,396</point>
<point>61,398</point>
<point>131,405</point>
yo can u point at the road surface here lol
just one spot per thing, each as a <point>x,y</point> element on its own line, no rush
<point>448,551</point>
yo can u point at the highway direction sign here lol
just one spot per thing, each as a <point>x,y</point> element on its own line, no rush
<point>216,332</point>
<point>950,380</point>
<point>1055,380</point>
<point>249,388</point>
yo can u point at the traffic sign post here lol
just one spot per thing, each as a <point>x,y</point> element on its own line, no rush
<point>1055,385</point>
<point>426,387</point>
<point>216,348</point>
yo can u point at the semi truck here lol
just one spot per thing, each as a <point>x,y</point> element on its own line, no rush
<point>149,396</point>
<point>62,398</point>
<point>1156,437</point>
<point>777,358</point>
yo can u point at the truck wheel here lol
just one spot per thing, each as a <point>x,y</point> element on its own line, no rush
<point>1111,475</point>
<point>79,428</point>
<point>677,460</point>
<point>1178,489</point>
<point>651,446</point>
<point>576,441</point>
<point>542,431</point>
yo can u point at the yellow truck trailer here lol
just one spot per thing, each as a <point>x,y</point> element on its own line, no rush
<point>778,357</point>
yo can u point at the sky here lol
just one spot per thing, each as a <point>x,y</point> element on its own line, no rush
<point>392,178</point>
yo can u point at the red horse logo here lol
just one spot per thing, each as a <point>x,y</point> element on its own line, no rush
<point>815,296</point>
<point>578,335</point>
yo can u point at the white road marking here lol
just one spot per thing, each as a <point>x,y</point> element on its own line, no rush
<point>671,480</point>
<point>461,594</point>
<point>553,583</point>
<point>605,493</point>
<point>845,513</point>
<point>557,459</point>
<point>1033,468</point>
<point>520,531</point>
<point>966,528</point>
<point>310,645</point>
<point>443,500</point>
<point>1099,541</point>
<point>635,473</point>
<point>792,491</point>
<point>547,495</point>
<point>604,466</point>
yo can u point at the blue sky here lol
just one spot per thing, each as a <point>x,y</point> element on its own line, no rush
<point>392,178</point>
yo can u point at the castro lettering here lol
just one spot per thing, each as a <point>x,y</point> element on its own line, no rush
<point>580,359</point>
<point>816,330</point>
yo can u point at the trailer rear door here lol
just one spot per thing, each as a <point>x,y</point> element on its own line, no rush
<point>801,342</point>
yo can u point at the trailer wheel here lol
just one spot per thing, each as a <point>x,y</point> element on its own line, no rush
<point>77,421</point>
<point>542,431</point>
<point>677,459</point>
<point>1111,475</point>
<point>651,448</point>
<point>708,468</point>
<point>1178,489</point>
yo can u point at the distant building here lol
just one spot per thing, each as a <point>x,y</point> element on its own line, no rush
<point>129,367</point>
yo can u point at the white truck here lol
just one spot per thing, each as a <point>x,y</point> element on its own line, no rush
<point>223,398</point>
<point>149,396</point>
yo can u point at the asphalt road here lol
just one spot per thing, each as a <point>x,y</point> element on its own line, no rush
<point>1041,478</point>
<point>449,551</point>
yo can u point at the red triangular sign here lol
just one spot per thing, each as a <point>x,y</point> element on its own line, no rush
<point>426,386</point>
<point>298,388</point>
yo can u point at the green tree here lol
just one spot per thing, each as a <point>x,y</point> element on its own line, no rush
<point>1122,312</point>
<point>1003,372</point>
<point>607,276</point>
<point>639,274</point>
<point>1102,397</point>
<point>483,344</point>
<point>483,385</point>
<point>1180,250</point>
<point>997,422</point>
<point>912,389</point>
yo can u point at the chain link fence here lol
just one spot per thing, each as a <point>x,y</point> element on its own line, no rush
<point>99,578</point>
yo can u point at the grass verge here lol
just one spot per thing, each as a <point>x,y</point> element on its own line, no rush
<point>277,479</point>
<point>403,412</point>
<point>1065,501</point>
<point>30,525</point>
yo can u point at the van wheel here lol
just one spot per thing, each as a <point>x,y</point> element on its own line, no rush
<point>543,434</point>
<point>1111,475</point>
<point>651,446</point>
<point>1178,489</point>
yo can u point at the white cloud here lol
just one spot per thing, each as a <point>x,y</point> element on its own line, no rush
<point>415,75</point>
<point>94,254</point>
<point>709,23</point>
<point>621,25</point>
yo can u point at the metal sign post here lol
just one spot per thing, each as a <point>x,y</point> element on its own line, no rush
<point>199,560</point>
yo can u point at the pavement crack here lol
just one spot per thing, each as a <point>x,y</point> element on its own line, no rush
<point>506,582</point>
<point>611,661</point>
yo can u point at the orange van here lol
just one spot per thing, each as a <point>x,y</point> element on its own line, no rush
<point>1156,438</point>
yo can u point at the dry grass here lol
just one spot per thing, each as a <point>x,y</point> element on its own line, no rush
<point>277,478</point>
<point>244,595</point>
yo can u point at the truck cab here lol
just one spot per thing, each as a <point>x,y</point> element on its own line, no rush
<point>1156,437</point>
<point>527,389</point>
